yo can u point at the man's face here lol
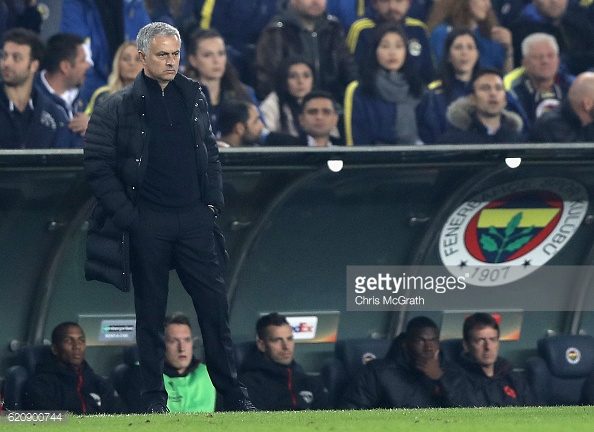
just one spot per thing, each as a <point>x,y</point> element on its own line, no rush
<point>162,61</point>
<point>253,127</point>
<point>541,62</point>
<point>553,9</point>
<point>391,10</point>
<point>178,346</point>
<point>16,65</point>
<point>75,73</point>
<point>483,346</point>
<point>318,117</point>
<point>423,344</point>
<point>278,345</point>
<point>71,349</point>
<point>489,95</point>
<point>309,9</point>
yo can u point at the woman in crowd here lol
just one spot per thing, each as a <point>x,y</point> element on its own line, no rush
<point>459,63</point>
<point>207,63</point>
<point>281,107</point>
<point>494,42</point>
<point>380,108</point>
<point>126,65</point>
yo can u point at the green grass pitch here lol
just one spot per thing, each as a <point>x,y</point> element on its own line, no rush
<point>539,419</point>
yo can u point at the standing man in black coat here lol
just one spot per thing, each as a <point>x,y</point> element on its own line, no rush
<point>153,164</point>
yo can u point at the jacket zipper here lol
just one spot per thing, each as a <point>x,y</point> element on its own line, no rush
<point>290,385</point>
<point>79,389</point>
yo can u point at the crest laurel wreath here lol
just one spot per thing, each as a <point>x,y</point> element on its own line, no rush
<point>512,240</point>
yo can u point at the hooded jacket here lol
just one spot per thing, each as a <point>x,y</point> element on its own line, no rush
<point>466,128</point>
<point>505,388</point>
<point>67,388</point>
<point>276,387</point>
<point>394,382</point>
<point>324,48</point>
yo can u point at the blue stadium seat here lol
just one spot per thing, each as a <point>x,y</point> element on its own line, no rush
<point>451,349</point>
<point>242,349</point>
<point>15,381</point>
<point>558,373</point>
<point>349,356</point>
<point>123,378</point>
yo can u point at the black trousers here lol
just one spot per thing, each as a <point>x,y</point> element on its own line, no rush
<point>183,240</point>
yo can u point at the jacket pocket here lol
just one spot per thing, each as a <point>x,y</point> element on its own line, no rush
<point>108,252</point>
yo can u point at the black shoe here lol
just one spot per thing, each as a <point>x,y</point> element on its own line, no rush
<point>240,405</point>
<point>157,408</point>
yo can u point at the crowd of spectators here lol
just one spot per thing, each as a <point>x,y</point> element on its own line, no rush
<point>273,52</point>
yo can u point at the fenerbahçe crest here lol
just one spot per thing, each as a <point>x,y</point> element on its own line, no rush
<point>505,233</point>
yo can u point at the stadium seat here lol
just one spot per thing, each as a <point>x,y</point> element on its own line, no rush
<point>451,349</point>
<point>349,356</point>
<point>15,381</point>
<point>241,350</point>
<point>123,376</point>
<point>558,373</point>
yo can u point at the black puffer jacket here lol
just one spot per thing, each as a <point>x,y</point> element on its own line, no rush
<point>115,161</point>
<point>276,387</point>
<point>394,382</point>
<point>66,388</point>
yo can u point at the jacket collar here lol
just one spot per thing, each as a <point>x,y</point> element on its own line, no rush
<point>461,114</point>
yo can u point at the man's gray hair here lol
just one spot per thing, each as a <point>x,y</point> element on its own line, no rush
<point>538,37</point>
<point>149,31</point>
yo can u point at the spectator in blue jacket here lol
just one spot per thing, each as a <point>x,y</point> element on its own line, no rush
<point>539,84</point>
<point>28,119</point>
<point>460,62</point>
<point>104,24</point>
<point>494,41</point>
<point>65,65</point>
<point>380,108</point>
<point>419,50</point>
